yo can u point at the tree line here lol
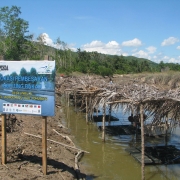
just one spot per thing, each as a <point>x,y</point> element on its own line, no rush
<point>17,44</point>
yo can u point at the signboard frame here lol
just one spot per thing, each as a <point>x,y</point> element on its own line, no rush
<point>24,96</point>
<point>27,87</point>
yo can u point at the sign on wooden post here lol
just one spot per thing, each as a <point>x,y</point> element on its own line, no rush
<point>27,87</point>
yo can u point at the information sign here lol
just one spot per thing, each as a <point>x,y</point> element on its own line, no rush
<point>27,87</point>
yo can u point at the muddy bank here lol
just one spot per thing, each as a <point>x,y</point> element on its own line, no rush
<point>24,152</point>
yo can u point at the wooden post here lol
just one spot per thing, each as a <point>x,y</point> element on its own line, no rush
<point>44,144</point>
<point>142,141</point>
<point>86,110</point>
<point>110,109</point>
<point>75,101</point>
<point>90,107</point>
<point>166,130</point>
<point>103,123</point>
<point>4,140</point>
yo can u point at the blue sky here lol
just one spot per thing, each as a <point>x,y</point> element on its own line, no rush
<point>142,28</point>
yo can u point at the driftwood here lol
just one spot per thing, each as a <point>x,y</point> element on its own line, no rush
<point>24,163</point>
<point>77,159</point>
<point>71,147</point>
<point>65,137</point>
<point>61,126</point>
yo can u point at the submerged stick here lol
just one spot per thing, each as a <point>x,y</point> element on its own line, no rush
<point>57,143</point>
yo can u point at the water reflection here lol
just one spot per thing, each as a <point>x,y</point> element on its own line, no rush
<point>109,160</point>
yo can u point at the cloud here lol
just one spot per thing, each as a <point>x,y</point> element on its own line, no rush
<point>111,47</point>
<point>142,54</point>
<point>178,47</point>
<point>169,41</point>
<point>151,49</point>
<point>135,42</point>
<point>166,59</point>
<point>46,40</point>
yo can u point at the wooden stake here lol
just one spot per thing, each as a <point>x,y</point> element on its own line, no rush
<point>103,123</point>
<point>86,110</point>
<point>110,108</point>
<point>68,98</point>
<point>166,131</point>
<point>44,145</point>
<point>142,142</point>
<point>4,140</point>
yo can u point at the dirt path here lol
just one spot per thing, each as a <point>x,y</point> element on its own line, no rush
<point>24,152</point>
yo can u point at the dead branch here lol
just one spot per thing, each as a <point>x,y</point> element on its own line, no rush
<point>58,143</point>
<point>65,137</point>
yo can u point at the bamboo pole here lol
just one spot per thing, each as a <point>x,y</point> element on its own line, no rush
<point>103,123</point>
<point>86,110</point>
<point>110,109</point>
<point>68,98</point>
<point>44,144</point>
<point>4,139</point>
<point>166,130</point>
<point>75,101</point>
<point>90,109</point>
<point>142,142</point>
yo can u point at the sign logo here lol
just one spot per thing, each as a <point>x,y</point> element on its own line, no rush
<point>4,68</point>
<point>45,69</point>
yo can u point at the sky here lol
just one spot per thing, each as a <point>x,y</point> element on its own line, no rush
<point>142,28</point>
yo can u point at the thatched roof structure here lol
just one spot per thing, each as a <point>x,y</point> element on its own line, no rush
<point>132,93</point>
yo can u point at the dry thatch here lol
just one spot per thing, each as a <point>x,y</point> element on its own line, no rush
<point>95,92</point>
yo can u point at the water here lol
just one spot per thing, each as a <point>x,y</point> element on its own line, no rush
<point>109,160</point>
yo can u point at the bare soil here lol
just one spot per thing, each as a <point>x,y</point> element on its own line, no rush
<point>24,152</point>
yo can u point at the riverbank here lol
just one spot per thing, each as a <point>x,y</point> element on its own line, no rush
<point>24,151</point>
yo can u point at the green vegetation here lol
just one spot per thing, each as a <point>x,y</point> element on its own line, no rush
<point>17,44</point>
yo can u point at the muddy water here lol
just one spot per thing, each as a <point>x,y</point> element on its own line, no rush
<point>109,160</point>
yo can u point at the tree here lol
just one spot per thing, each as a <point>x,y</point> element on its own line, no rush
<point>23,72</point>
<point>13,33</point>
<point>33,72</point>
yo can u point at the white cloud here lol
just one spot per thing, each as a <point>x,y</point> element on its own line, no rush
<point>46,40</point>
<point>134,43</point>
<point>111,47</point>
<point>166,59</point>
<point>169,41</point>
<point>175,60</point>
<point>178,47</point>
<point>151,49</point>
<point>94,44</point>
<point>134,50</point>
<point>172,60</point>
<point>125,54</point>
<point>142,54</point>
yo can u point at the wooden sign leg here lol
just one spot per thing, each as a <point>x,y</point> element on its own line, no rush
<point>4,140</point>
<point>44,145</point>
